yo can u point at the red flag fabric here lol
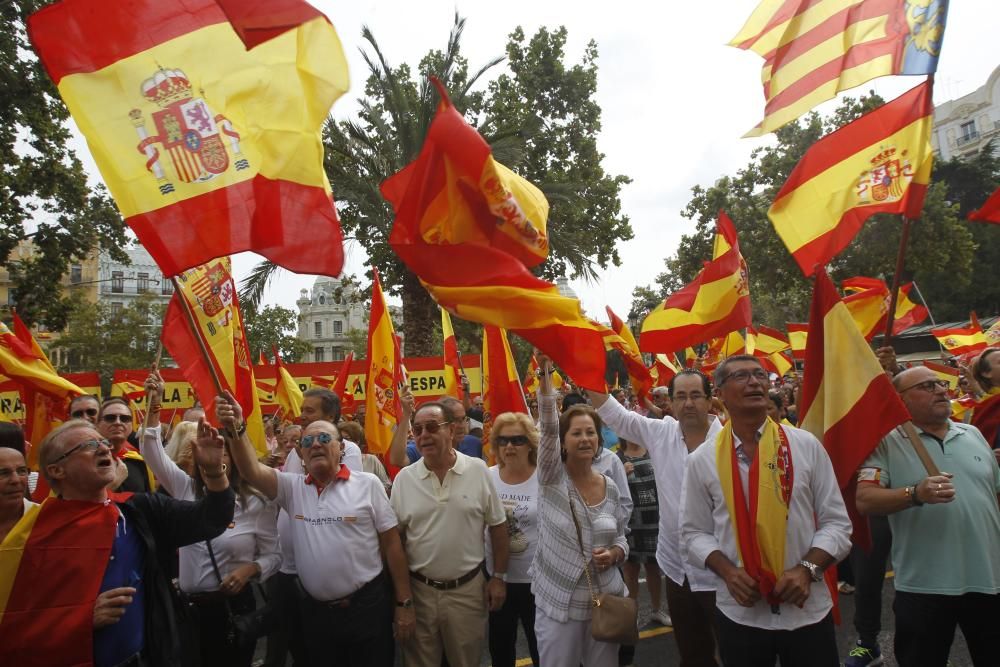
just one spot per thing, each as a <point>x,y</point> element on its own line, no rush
<point>340,384</point>
<point>989,211</point>
<point>258,22</point>
<point>638,375</point>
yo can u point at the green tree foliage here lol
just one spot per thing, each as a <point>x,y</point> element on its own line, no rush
<point>941,251</point>
<point>43,188</point>
<point>540,120</point>
<point>274,326</point>
<point>99,339</point>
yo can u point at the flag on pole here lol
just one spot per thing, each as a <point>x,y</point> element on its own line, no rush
<point>531,377</point>
<point>908,313</point>
<point>452,365</point>
<point>638,375</point>
<point>767,340</point>
<point>287,390</point>
<point>880,163</point>
<point>382,407</point>
<point>990,210</point>
<point>868,303</point>
<point>471,230</point>
<point>208,294</point>
<point>716,302</point>
<point>208,148</point>
<point>501,386</point>
<point>813,49</point>
<point>798,333</point>
<point>844,386</point>
<point>663,370</point>
<point>962,340</point>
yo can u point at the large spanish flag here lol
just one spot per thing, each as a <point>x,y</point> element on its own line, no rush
<point>452,363</point>
<point>208,320</point>
<point>962,340</point>
<point>716,302</point>
<point>638,375</point>
<point>990,210</point>
<point>813,49</point>
<point>848,401</point>
<point>880,163</point>
<point>208,148</point>
<point>385,373</point>
<point>471,230</point>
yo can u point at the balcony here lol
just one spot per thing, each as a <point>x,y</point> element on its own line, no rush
<point>966,139</point>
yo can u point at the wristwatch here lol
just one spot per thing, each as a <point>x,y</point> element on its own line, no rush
<point>405,604</point>
<point>814,571</point>
<point>502,576</point>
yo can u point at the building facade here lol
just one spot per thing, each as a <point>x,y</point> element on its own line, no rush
<point>963,126</point>
<point>120,284</point>
<point>327,315</point>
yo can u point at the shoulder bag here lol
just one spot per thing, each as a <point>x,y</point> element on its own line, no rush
<point>245,628</point>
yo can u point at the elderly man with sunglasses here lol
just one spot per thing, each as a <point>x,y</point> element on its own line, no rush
<point>342,528</point>
<point>945,528</point>
<point>114,423</point>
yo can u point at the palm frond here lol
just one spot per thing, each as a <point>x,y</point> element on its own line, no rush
<point>253,286</point>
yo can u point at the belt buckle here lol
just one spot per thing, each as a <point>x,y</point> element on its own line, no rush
<point>442,585</point>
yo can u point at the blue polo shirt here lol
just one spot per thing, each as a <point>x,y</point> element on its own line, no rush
<point>116,643</point>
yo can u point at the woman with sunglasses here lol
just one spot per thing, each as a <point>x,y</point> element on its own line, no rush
<point>215,575</point>
<point>581,534</point>
<point>514,441</point>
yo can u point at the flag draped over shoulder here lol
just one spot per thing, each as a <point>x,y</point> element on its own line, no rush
<point>286,390</point>
<point>989,211</point>
<point>452,364</point>
<point>813,49</point>
<point>880,163</point>
<point>638,375</point>
<point>209,295</point>
<point>716,302</point>
<point>471,229</point>
<point>382,407</point>
<point>208,148</point>
<point>848,402</point>
<point>962,340</point>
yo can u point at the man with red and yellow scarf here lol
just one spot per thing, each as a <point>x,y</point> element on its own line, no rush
<point>764,512</point>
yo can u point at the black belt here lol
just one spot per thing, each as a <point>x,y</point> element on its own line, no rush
<point>454,583</point>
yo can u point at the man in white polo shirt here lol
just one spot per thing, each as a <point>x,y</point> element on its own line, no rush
<point>342,527</point>
<point>444,501</point>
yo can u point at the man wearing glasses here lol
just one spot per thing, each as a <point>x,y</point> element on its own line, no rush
<point>945,528</point>
<point>444,501</point>
<point>114,423</point>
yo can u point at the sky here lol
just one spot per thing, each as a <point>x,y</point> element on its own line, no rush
<point>675,99</point>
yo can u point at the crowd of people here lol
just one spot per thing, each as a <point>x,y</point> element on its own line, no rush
<point>189,548</point>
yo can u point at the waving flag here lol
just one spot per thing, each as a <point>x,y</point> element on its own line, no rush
<point>880,163</point>
<point>989,211</point>
<point>716,302</point>
<point>798,334</point>
<point>501,386</point>
<point>340,385</point>
<point>208,295</point>
<point>452,363</point>
<point>663,370</point>
<point>962,340</point>
<point>868,303</point>
<point>471,229</point>
<point>208,148</point>
<point>531,377</point>
<point>638,375</point>
<point>382,407</point>
<point>767,340</point>
<point>286,389</point>
<point>813,49</point>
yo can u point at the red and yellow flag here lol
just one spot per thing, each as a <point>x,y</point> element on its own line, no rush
<point>638,375</point>
<point>908,313</point>
<point>208,147</point>
<point>813,49</point>
<point>716,302</point>
<point>962,340</point>
<point>868,303</point>
<point>287,391</point>
<point>880,163</point>
<point>501,386</point>
<point>844,386</point>
<point>663,370</point>
<point>206,296</point>
<point>767,340</point>
<point>531,377</point>
<point>340,386</point>
<point>949,374</point>
<point>452,364</point>
<point>798,334</point>
<point>471,229</point>
<point>990,210</point>
<point>382,407</point>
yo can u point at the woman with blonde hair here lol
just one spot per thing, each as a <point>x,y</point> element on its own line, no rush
<point>514,440</point>
<point>184,432</point>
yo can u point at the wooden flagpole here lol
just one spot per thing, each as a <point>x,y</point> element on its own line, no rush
<point>890,317</point>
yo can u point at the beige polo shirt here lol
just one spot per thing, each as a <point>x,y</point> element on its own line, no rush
<point>443,521</point>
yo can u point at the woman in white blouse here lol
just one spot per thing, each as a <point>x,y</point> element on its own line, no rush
<point>247,550</point>
<point>569,485</point>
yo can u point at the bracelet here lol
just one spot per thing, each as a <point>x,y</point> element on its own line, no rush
<point>241,429</point>
<point>154,407</point>
<point>221,473</point>
<point>911,491</point>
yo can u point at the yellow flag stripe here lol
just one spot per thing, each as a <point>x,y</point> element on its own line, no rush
<point>719,296</point>
<point>11,550</point>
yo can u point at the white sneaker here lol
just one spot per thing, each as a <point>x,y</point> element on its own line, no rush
<point>661,617</point>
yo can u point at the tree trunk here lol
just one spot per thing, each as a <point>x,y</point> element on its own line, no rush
<point>420,318</point>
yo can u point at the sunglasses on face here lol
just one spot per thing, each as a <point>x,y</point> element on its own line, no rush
<point>86,446</point>
<point>111,419</point>
<point>308,441</point>
<point>516,440</point>
<point>79,414</point>
<point>432,427</point>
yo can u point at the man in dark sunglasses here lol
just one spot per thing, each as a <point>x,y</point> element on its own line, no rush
<point>85,407</point>
<point>114,423</point>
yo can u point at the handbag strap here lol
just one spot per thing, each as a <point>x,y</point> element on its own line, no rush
<point>579,541</point>
<point>215,565</point>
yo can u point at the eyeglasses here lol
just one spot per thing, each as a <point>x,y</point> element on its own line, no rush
<point>111,419</point>
<point>516,440</point>
<point>432,427</point>
<point>86,445</point>
<point>928,385</point>
<point>79,414</point>
<point>7,473</point>
<point>322,438</point>
<point>684,398</point>
<point>742,377</point>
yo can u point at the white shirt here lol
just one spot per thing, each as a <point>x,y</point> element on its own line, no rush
<point>252,536</point>
<point>609,465</point>
<point>520,503</point>
<point>335,532</point>
<point>664,440</point>
<point>816,499</point>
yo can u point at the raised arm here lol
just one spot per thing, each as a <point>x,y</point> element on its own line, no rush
<point>397,448</point>
<point>550,468</point>
<point>177,482</point>
<point>230,415</point>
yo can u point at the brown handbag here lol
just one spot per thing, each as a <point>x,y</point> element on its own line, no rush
<point>615,618</point>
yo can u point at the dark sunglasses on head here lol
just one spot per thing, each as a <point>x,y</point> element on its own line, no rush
<point>516,440</point>
<point>432,427</point>
<point>86,445</point>
<point>307,441</point>
<point>79,414</point>
<point>111,419</point>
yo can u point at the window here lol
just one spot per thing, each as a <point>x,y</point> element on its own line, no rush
<point>166,286</point>
<point>968,133</point>
<point>322,299</point>
<point>76,273</point>
<point>338,327</point>
<point>116,308</point>
<point>320,353</point>
<point>142,282</point>
<point>318,330</point>
<point>338,355</point>
<point>118,282</point>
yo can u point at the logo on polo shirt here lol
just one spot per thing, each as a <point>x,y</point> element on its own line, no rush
<point>326,520</point>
